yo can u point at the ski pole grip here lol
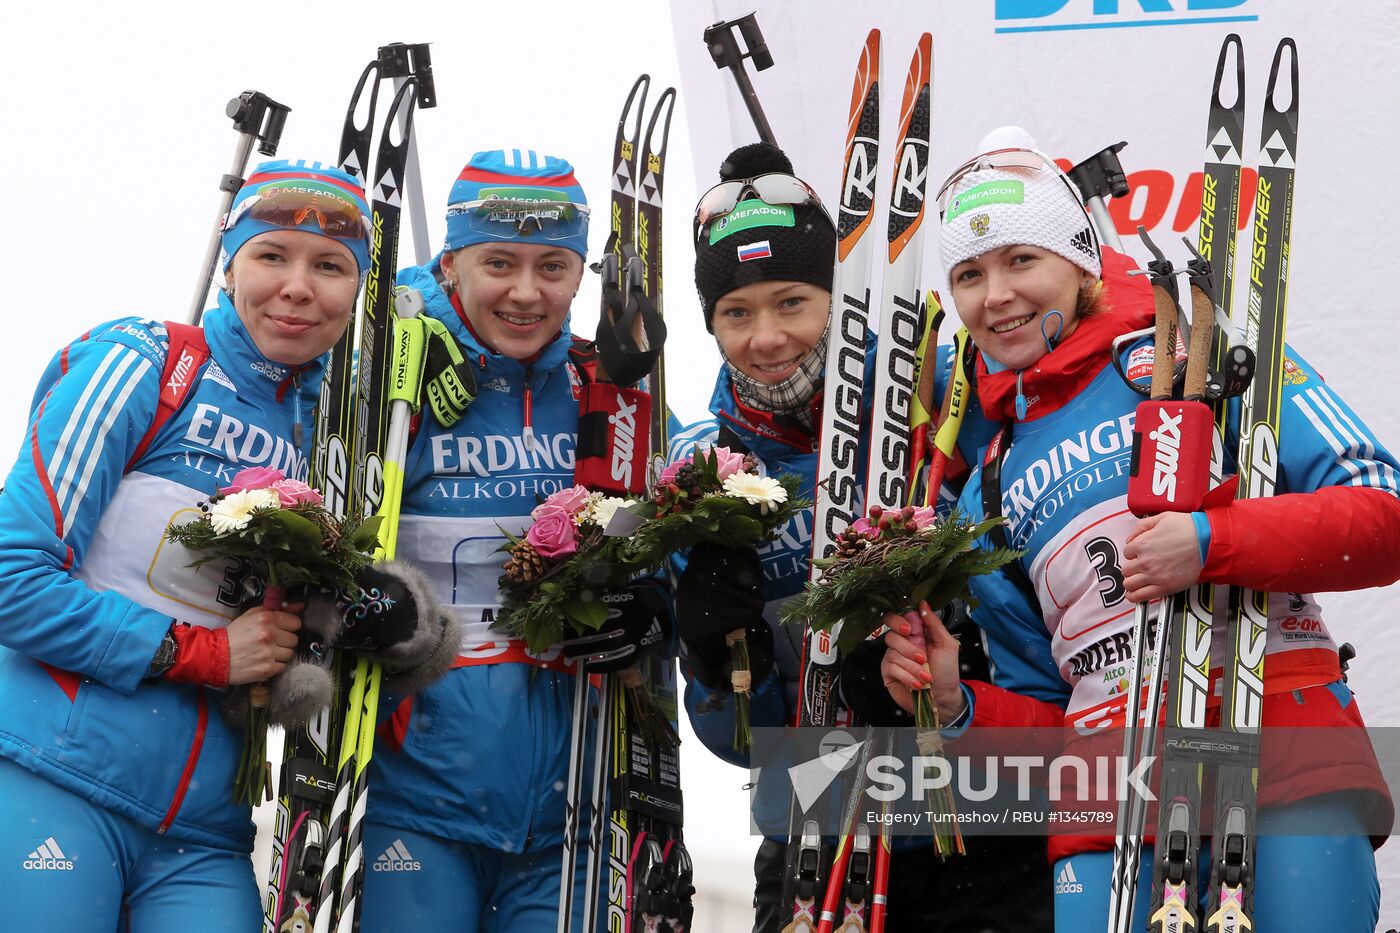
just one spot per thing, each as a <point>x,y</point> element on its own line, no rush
<point>1164,355</point>
<point>1202,332</point>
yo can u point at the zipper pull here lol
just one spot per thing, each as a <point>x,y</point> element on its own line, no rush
<point>1020,398</point>
<point>298,432</point>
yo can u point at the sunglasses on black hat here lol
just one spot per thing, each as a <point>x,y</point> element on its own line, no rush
<point>772,188</point>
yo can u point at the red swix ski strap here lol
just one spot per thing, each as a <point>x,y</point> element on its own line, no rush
<point>187,353</point>
<point>612,450</point>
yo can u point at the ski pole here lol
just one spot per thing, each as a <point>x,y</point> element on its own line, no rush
<point>402,62</point>
<point>1099,178</point>
<point>724,49</point>
<point>258,119</point>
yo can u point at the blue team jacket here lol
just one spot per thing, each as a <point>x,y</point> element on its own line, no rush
<point>90,587</point>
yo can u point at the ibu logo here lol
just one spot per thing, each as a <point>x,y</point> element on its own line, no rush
<point>1014,16</point>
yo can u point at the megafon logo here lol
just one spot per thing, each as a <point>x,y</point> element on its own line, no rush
<point>1060,15</point>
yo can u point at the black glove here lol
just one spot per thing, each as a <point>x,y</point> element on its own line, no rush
<point>395,619</point>
<point>863,688</point>
<point>638,626</point>
<point>720,591</point>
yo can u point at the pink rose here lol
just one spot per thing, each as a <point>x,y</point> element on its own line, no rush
<point>863,526</point>
<point>544,508</point>
<point>570,500</point>
<point>728,462</point>
<point>924,516</point>
<point>553,535</point>
<point>253,478</point>
<point>292,491</point>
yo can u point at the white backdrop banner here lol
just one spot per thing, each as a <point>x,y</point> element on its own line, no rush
<point>1082,74</point>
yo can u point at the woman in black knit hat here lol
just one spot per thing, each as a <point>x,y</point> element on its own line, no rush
<point>764,259</point>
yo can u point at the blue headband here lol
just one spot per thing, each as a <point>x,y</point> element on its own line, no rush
<point>517,195</point>
<point>309,196</point>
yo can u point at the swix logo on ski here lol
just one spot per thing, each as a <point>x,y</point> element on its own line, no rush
<point>624,434</point>
<point>1166,455</point>
<point>1075,465</point>
<point>1066,882</point>
<point>48,857</point>
<point>494,454</point>
<point>1019,16</point>
<point>243,444</point>
<point>397,858</point>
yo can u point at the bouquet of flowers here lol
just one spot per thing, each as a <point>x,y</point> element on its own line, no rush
<point>281,531</point>
<point>716,496</point>
<point>559,568</point>
<point>888,562</point>
<point>582,543</point>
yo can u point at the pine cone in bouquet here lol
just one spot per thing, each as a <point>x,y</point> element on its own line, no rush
<point>525,566</point>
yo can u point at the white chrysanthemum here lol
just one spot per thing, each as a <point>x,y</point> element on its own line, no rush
<point>604,508</point>
<point>762,491</point>
<point>234,511</point>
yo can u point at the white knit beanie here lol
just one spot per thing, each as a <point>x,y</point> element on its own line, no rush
<point>989,208</point>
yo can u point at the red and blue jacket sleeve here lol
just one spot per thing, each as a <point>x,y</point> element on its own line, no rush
<point>96,402</point>
<point>1334,522</point>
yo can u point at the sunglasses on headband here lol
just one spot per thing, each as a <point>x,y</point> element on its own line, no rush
<point>521,218</point>
<point>772,188</point>
<point>1020,158</point>
<point>291,205</point>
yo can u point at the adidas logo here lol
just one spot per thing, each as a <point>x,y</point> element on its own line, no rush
<point>396,858</point>
<point>1083,242</point>
<point>48,857</point>
<point>498,384</point>
<point>654,634</point>
<point>1066,883</point>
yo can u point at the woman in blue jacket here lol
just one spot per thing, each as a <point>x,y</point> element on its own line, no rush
<point>116,776</point>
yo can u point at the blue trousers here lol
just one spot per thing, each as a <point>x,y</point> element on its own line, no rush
<point>1303,883</point>
<point>70,866</point>
<point>415,882</point>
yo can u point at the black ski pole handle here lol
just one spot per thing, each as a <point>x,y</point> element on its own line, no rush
<point>725,50</point>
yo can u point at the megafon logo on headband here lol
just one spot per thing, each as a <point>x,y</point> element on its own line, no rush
<point>1014,16</point>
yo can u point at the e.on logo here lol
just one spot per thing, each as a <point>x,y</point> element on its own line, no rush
<point>1058,15</point>
<point>1154,198</point>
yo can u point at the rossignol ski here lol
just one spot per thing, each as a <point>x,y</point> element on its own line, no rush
<point>1230,905</point>
<point>1187,637</point>
<point>836,493</point>
<point>851,890</point>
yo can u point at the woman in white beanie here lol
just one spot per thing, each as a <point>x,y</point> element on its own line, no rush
<point>1044,302</point>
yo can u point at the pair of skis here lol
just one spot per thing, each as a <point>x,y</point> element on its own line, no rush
<point>851,886</point>
<point>634,782</point>
<point>317,866</point>
<point>1183,660</point>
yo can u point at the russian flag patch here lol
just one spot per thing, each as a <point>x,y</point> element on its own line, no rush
<point>759,250</point>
